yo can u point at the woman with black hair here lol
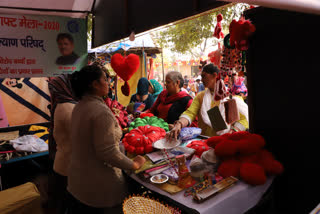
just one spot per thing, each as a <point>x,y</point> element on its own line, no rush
<point>95,181</point>
<point>171,102</point>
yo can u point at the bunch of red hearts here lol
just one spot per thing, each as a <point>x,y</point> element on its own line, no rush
<point>139,140</point>
<point>242,155</point>
<point>125,67</point>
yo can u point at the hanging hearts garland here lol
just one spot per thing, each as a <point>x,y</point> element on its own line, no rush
<point>125,67</point>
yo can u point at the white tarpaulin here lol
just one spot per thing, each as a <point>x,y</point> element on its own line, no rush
<point>69,8</point>
<point>304,6</point>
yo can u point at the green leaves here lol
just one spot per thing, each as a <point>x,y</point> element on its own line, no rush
<point>194,33</point>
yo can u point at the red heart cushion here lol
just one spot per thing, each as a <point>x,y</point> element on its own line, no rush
<point>125,67</point>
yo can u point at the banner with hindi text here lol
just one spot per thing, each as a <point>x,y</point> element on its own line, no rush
<point>41,46</point>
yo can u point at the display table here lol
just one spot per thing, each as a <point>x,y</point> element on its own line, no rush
<point>237,199</point>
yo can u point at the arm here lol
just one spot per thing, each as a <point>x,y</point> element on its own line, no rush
<point>186,117</point>
<point>105,144</point>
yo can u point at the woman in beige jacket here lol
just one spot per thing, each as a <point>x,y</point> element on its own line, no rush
<point>95,180</point>
<point>63,101</point>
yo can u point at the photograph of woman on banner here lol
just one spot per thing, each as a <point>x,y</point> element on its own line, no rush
<point>66,45</point>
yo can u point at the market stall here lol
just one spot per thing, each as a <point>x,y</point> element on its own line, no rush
<point>195,172</point>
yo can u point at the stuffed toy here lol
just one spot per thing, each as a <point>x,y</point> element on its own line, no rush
<point>242,155</point>
<point>125,67</point>
<point>119,112</point>
<point>139,140</point>
<point>152,121</point>
<point>218,29</point>
<point>200,146</point>
<point>240,32</point>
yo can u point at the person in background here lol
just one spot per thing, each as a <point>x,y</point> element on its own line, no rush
<point>142,94</point>
<point>95,180</point>
<point>237,86</point>
<point>201,87</point>
<point>172,101</point>
<point>205,101</point>
<point>155,88</point>
<point>185,88</point>
<point>186,80</point>
<point>63,101</point>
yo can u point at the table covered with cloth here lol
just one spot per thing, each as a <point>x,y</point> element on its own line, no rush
<point>239,198</point>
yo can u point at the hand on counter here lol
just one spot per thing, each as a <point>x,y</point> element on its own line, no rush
<point>138,162</point>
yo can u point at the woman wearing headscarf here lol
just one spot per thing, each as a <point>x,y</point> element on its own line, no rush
<point>172,101</point>
<point>214,95</point>
<point>63,101</point>
<point>155,88</point>
<point>142,94</point>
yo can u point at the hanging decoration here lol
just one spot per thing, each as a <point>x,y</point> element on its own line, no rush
<point>240,32</point>
<point>215,56</point>
<point>125,67</point>
<point>218,29</point>
<point>233,59</point>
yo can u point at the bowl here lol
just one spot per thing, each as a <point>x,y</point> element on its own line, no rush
<point>166,144</point>
<point>159,179</point>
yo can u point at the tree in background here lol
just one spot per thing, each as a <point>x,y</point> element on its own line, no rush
<point>194,35</point>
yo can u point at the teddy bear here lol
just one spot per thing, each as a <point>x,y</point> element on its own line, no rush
<point>242,154</point>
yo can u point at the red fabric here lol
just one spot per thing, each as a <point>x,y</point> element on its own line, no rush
<point>247,149</point>
<point>200,146</point>
<point>165,99</point>
<point>163,103</point>
<point>119,112</point>
<point>218,29</point>
<point>229,167</point>
<point>125,89</point>
<point>253,174</point>
<point>139,140</point>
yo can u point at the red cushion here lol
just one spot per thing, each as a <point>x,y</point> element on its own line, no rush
<point>141,139</point>
<point>200,146</point>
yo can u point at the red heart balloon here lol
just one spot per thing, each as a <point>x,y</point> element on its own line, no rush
<point>125,67</point>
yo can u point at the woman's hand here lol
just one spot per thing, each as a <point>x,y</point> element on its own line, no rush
<point>175,131</point>
<point>170,126</point>
<point>138,162</point>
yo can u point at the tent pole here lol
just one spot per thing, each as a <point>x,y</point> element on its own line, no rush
<point>162,66</point>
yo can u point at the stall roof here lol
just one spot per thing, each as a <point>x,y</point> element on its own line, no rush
<point>116,19</point>
<point>69,8</point>
<point>141,42</point>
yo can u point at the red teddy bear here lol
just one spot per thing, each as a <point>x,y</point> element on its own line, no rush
<point>242,155</point>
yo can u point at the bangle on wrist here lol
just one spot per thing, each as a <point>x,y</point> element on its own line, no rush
<point>178,121</point>
<point>234,129</point>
